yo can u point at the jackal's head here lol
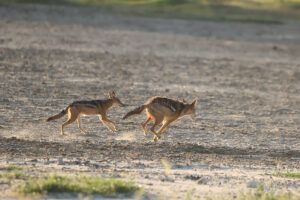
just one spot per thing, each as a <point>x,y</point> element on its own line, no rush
<point>116,101</point>
<point>190,109</point>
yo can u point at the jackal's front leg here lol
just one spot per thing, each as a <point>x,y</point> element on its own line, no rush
<point>107,122</point>
<point>157,122</point>
<point>164,127</point>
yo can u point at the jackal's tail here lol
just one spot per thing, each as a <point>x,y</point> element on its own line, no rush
<point>57,116</point>
<point>136,111</point>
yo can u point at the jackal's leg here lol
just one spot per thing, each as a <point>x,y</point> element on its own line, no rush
<point>72,116</point>
<point>106,122</point>
<point>113,123</point>
<point>163,128</point>
<point>79,125</point>
<point>144,125</point>
<point>157,122</point>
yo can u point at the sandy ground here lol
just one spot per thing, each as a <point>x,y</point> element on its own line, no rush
<point>246,78</point>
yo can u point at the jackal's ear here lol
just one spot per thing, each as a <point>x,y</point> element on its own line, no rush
<point>184,101</point>
<point>195,101</point>
<point>112,94</point>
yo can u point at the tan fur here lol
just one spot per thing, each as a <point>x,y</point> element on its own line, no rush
<point>95,107</point>
<point>165,111</point>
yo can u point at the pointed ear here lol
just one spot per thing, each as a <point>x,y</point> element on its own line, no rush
<point>112,94</point>
<point>194,102</point>
<point>184,101</point>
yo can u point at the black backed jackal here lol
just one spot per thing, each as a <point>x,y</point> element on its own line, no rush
<point>163,110</point>
<point>94,107</point>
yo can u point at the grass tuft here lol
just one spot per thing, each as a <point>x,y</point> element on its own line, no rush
<point>287,175</point>
<point>14,175</point>
<point>82,184</point>
<point>12,167</point>
<point>258,194</point>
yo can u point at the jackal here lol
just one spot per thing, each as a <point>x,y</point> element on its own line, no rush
<point>94,107</point>
<point>163,110</point>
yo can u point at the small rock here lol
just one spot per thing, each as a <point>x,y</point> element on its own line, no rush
<point>167,179</point>
<point>77,162</point>
<point>252,184</point>
<point>192,177</point>
<point>60,161</point>
<point>287,148</point>
<point>203,181</point>
<point>96,166</point>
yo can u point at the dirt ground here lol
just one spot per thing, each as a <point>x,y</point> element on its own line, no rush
<point>246,78</point>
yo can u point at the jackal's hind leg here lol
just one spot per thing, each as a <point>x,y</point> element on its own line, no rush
<point>79,126</point>
<point>145,124</point>
<point>72,116</point>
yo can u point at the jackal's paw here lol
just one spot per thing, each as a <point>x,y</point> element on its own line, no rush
<point>145,133</point>
<point>115,130</point>
<point>155,139</point>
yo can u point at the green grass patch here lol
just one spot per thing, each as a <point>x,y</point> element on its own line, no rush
<point>263,11</point>
<point>14,175</point>
<point>81,184</point>
<point>12,167</point>
<point>287,174</point>
<point>258,194</point>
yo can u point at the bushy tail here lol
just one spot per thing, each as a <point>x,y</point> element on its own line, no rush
<point>57,116</point>
<point>136,111</point>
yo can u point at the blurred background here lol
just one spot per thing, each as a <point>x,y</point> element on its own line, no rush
<point>260,11</point>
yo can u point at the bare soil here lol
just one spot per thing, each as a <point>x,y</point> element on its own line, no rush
<point>246,78</point>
